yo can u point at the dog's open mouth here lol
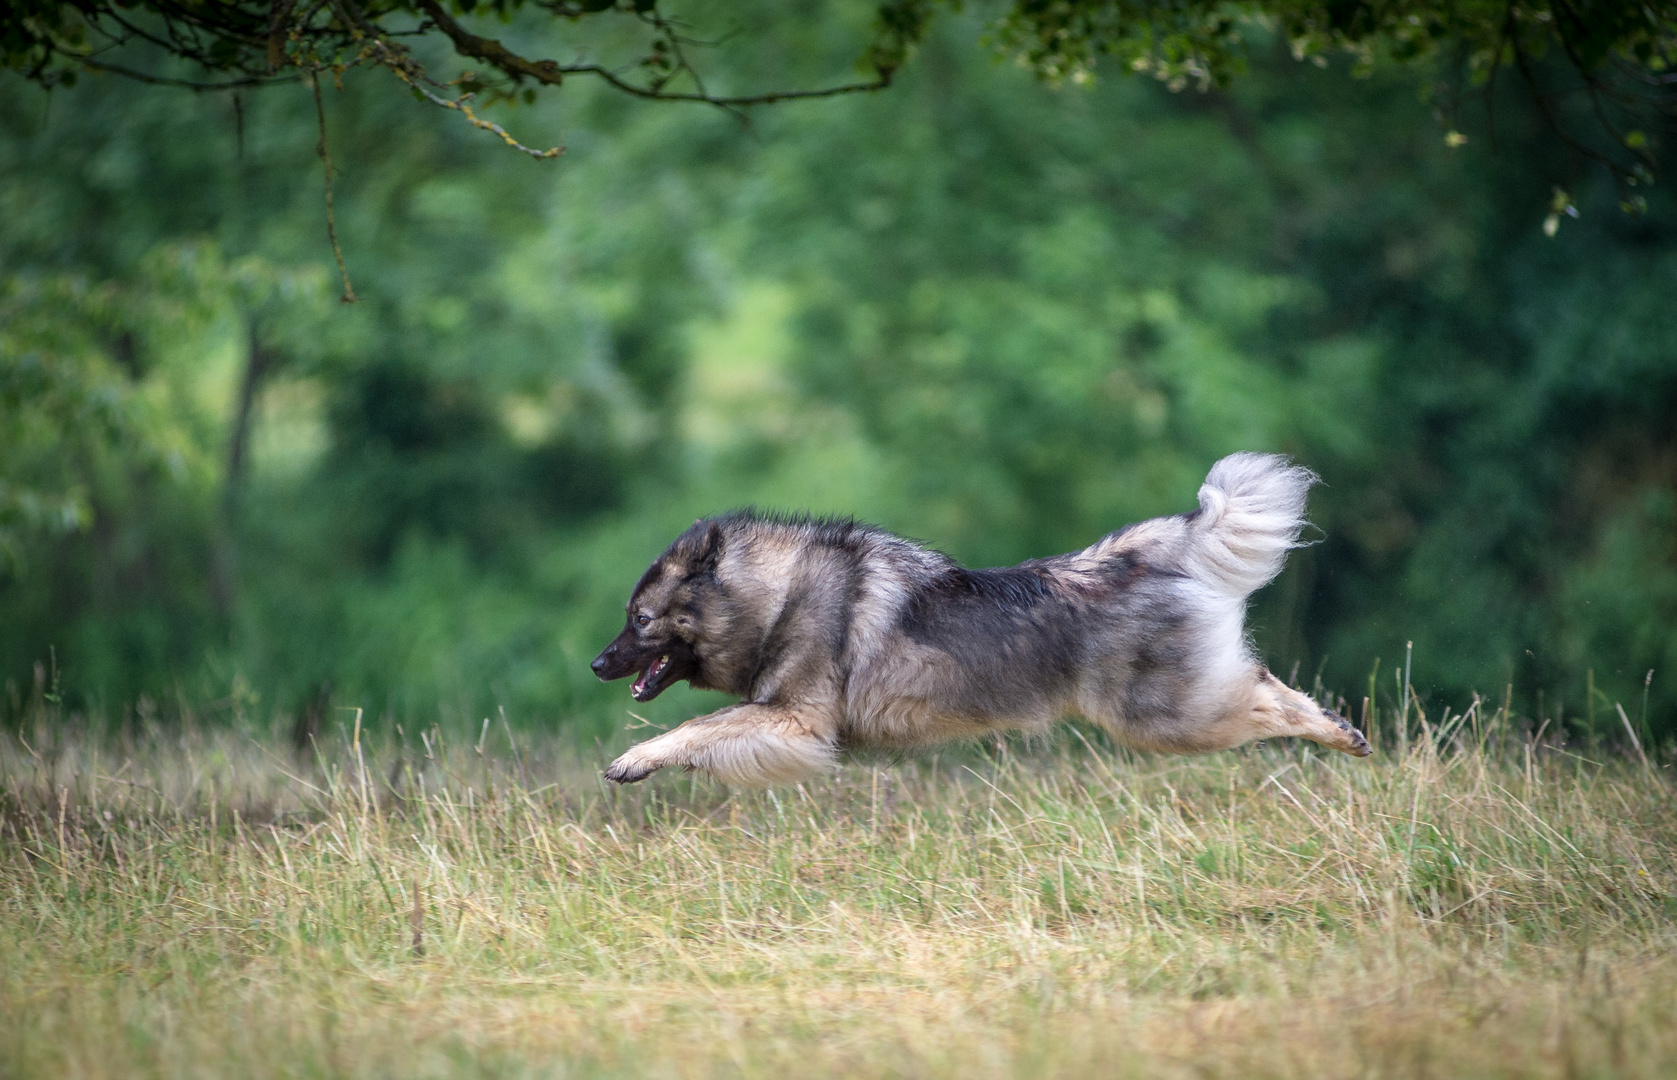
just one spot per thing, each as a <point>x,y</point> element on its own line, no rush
<point>646,685</point>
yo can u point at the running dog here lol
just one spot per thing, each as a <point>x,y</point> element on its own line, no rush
<point>836,635</point>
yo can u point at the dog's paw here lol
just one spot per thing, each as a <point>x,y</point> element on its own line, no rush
<point>629,770</point>
<point>1354,743</point>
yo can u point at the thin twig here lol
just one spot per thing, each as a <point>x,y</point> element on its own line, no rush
<point>325,153</point>
<point>463,106</point>
<point>185,84</point>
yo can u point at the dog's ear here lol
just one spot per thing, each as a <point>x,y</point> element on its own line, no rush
<point>709,547</point>
<point>698,549</point>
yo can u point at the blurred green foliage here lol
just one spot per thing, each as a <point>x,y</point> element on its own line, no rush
<point>999,317</point>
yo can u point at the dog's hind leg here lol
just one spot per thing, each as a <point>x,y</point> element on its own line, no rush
<point>1271,710</point>
<point>743,745</point>
<point>1277,710</point>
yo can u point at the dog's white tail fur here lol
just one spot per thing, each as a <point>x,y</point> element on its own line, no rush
<point>1251,513</point>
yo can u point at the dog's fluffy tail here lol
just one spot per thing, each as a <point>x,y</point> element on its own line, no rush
<point>1251,512</point>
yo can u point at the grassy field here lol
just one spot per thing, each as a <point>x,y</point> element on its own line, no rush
<point>1466,904</point>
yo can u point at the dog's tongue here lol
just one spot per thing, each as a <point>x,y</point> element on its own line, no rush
<point>649,674</point>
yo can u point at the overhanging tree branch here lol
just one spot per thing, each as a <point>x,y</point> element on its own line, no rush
<point>552,73</point>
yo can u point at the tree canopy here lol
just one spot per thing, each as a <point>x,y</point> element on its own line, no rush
<point>1603,72</point>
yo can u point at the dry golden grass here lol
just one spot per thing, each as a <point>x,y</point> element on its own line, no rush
<point>1467,906</point>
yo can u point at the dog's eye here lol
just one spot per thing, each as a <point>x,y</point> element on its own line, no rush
<point>642,620</point>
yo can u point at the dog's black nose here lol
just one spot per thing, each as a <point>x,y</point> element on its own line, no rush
<point>599,663</point>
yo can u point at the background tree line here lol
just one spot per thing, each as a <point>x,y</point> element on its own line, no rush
<point>1001,317</point>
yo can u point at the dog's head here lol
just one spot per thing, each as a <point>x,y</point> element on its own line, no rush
<point>662,633</point>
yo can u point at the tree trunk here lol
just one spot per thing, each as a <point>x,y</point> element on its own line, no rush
<point>224,552</point>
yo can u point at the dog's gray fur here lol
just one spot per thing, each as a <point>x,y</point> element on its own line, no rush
<point>836,635</point>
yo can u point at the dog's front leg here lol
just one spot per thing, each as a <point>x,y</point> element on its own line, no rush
<point>743,745</point>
